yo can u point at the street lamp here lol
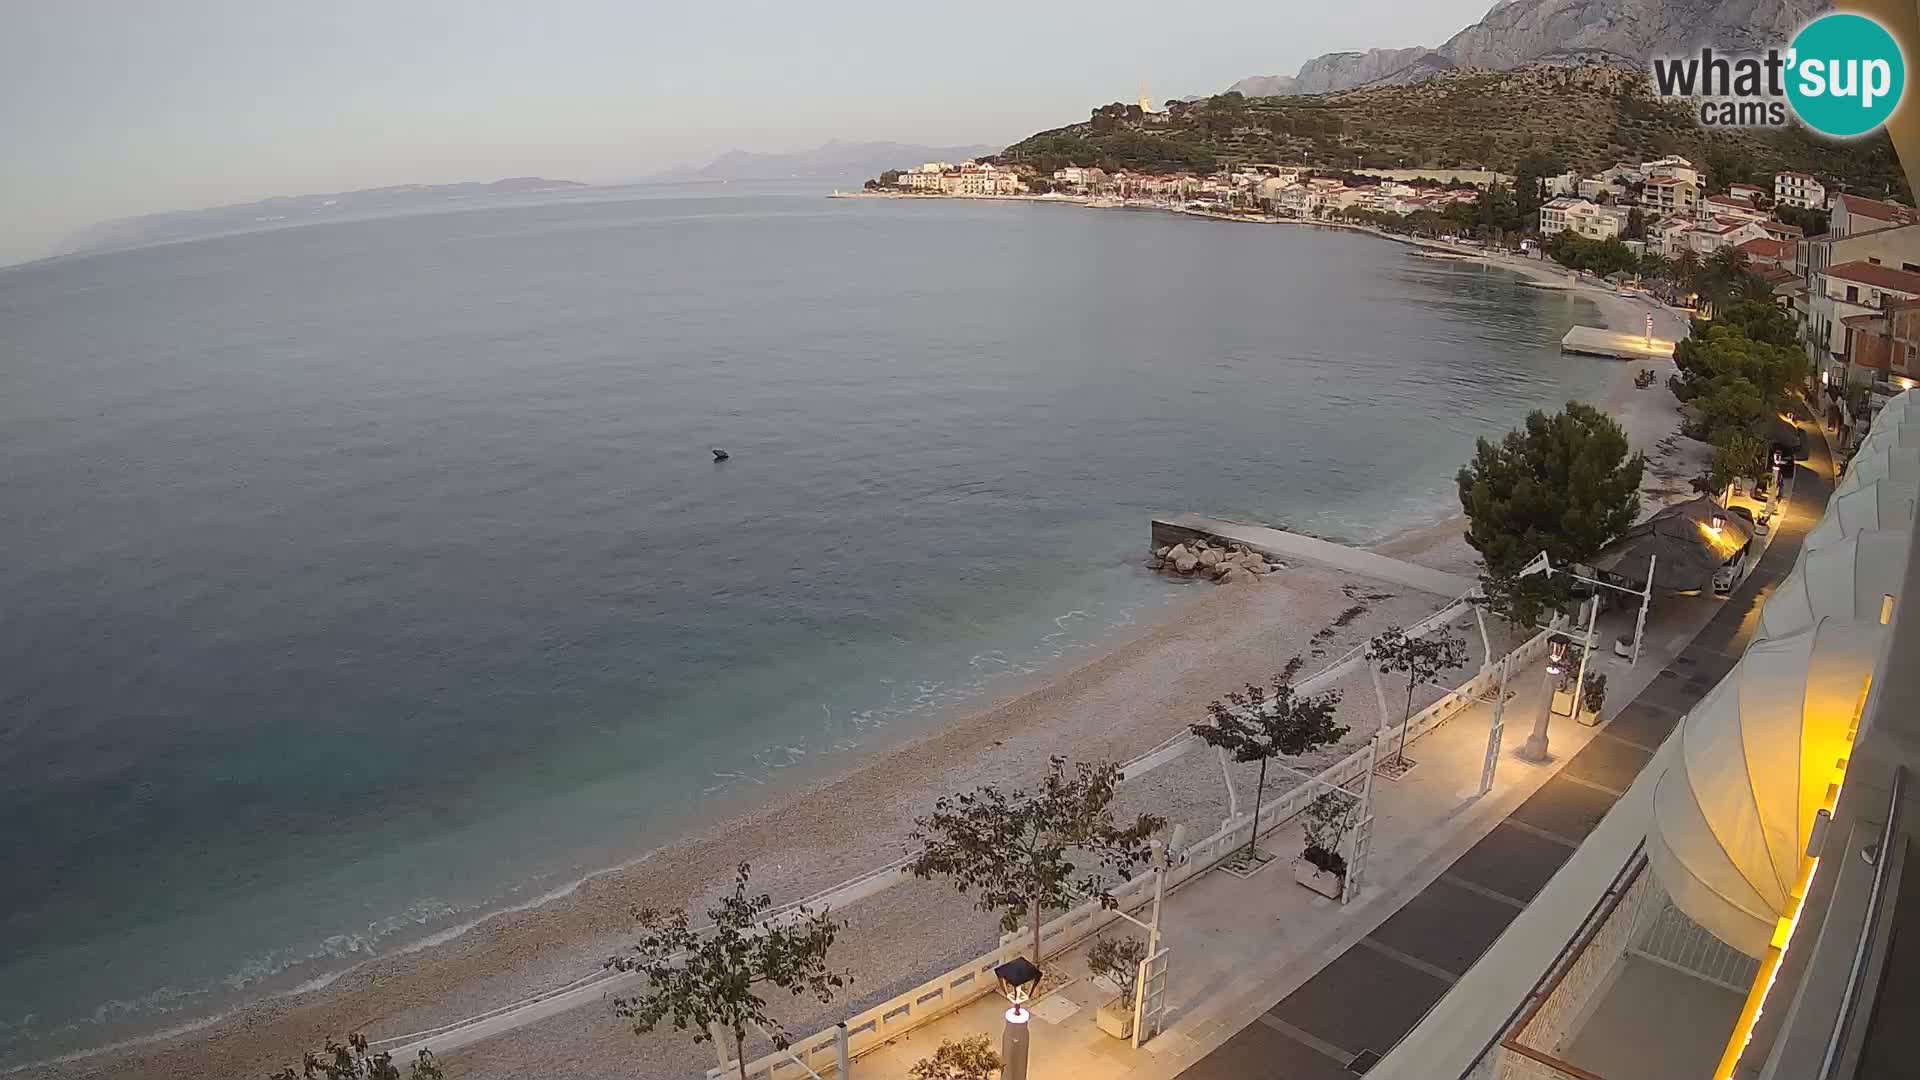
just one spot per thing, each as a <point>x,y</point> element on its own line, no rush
<point>1018,978</point>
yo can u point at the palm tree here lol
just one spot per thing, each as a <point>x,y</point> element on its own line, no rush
<point>1686,270</point>
<point>1722,272</point>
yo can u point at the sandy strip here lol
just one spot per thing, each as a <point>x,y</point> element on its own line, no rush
<point>1128,699</point>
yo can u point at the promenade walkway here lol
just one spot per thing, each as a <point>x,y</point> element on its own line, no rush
<point>1346,1017</point>
<point>1270,982</point>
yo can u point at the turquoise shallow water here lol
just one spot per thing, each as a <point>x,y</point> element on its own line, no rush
<point>363,578</point>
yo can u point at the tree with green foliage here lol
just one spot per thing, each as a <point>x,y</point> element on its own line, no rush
<point>1421,659</point>
<point>1737,455</point>
<point>1737,365</point>
<point>1015,849</point>
<point>1603,257</point>
<point>1118,959</point>
<point>352,1060</point>
<point>1253,727</point>
<point>968,1058</point>
<point>1563,484</point>
<point>708,981</point>
<point>1636,224</point>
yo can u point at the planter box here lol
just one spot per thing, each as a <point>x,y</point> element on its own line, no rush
<point>1326,883</point>
<point>1116,1018</point>
<point>1563,703</point>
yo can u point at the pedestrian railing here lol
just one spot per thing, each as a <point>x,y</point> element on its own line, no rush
<point>967,983</point>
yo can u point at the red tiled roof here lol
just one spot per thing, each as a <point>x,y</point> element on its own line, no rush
<point>1880,277</point>
<point>1665,181</point>
<point>1874,208</point>
<point>1782,227</point>
<point>1765,247</point>
<point>1858,321</point>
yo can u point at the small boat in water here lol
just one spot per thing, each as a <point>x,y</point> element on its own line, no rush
<point>720,455</point>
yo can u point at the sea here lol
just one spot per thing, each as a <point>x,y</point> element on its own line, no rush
<point>363,578</point>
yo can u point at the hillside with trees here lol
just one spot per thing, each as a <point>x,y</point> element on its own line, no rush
<point>1584,117</point>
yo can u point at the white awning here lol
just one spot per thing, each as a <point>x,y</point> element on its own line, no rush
<point>1899,407</point>
<point>1733,810</point>
<point>1878,461</point>
<point>1850,578</point>
<point>1878,504</point>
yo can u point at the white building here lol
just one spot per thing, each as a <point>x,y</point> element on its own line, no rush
<point>1730,206</point>
<point>1663,195</point>
<point>1847,289</point>
<point>1670,168</point>
<point>1855,214</point>
<point>1799,189</point>
<point>1582,218</point>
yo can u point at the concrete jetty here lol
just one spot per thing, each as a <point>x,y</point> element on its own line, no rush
<point>1594,341</point>
<point>1283,545</point>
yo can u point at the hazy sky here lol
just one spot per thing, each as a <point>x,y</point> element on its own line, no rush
<point>120,108</point>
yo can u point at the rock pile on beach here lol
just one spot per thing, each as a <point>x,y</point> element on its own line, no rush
<point>1226,563</point>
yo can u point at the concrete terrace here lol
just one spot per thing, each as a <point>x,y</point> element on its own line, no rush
<point>1283,545</point>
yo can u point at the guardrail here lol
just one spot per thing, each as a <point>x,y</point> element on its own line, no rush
<point>965,984</point>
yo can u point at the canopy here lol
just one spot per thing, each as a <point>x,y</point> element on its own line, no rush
<point>1847,579</point>
<point>1878,504</point>
<point>1890,431</point>
<point>1899,408</point>
<point>1733,810</point>
<point>1687,548</point>
<point>1879,461</point>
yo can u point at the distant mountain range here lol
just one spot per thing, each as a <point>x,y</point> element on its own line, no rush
<point>297,209</point>
<point>1515,33</point>
<point>848,162</point>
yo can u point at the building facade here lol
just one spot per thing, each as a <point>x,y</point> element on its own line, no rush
<point>1799,189</point>
<point>1582,218</point>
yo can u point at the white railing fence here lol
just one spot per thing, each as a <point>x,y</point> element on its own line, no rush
<point>961,986</point>
<point>1666,936</point>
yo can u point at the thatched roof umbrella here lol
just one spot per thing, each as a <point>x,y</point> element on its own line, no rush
<point>1686,544</point>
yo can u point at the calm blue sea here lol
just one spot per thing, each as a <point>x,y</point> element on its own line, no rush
<point>362,578</point>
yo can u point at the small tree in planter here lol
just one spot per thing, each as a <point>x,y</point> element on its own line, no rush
<point>1253,727</point>
<point>1594,697</point>
<point>1326,822</point>
<point>971,1058</point>
<point>1016,848</point>
<point>1420,659</point>
<point>1118,959</point>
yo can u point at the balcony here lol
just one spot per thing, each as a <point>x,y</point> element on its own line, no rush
<point>1641,994</point>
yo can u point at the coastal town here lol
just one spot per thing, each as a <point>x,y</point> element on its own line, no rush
<point>1845,265</point>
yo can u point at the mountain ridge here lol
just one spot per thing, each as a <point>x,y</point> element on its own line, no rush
<point>1515,33</point>
<point>278,210</point>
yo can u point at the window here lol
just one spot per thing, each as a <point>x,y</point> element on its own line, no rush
<point>1853,294</point>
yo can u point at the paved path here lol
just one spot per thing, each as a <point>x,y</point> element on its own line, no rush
<point>1352,1012</point>
<point>1284,545</point>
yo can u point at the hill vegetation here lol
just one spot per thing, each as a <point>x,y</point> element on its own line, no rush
<point>1583,117</point>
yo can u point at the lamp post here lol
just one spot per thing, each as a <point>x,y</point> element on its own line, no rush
<point>1017,977</point>
<point>1536,747</point>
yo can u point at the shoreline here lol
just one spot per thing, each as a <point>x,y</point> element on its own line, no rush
<point>820,832</point>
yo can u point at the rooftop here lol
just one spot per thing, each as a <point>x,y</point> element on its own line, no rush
<point>1879,277</point>
<point>1878,209</point>
<point>1766,247</point>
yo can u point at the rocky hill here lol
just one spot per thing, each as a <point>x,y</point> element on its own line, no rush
<point>1584,116</point>
<point>1520,32</point>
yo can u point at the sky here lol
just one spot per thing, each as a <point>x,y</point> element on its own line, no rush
<point>123,107</point>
